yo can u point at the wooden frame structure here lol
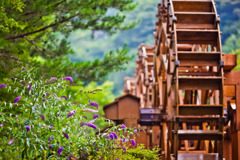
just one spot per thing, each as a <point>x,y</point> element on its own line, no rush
<point>189,95</point>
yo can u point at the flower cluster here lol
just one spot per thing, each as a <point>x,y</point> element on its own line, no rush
<point>3,85</point>
<point>28,128</point>
<point>71,113</point>
<point>95,116</point>
<point>68,79</point>
<point>94,104</point>
<point>64,97</point>
<point>17,99</point>
<point>133,142</point>
<point>56,123</point>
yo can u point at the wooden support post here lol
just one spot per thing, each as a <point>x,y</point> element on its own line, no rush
<point>206,142</point>
<point>184,125</point>
<point>169,141</point>
<point>238,107</point>
<point>236,134</point>
<point>235,145</point>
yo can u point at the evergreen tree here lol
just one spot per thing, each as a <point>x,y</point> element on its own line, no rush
<point>35,33</point>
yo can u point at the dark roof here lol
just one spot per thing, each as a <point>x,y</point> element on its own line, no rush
<point>109,104</point>
<point>121,97</point>
<point>126,95</point>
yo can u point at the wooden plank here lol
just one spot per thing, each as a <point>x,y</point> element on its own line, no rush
<point>198,56</point>
<point>198,156</point>
<point>195,119</point>
<point>232,77</point>
<point>199,62</point>
<point>229,90</point>
<point>197,20</point>
<point>195,83</point>
<point>230,61</point>
<point>199,135</point>
<point>192,5</point>
<point>200,109</point>
<point>199,52</point>
<point>191,36</point>
<point>187,73</point>
<point>195,26</point>
<point>184,48</point>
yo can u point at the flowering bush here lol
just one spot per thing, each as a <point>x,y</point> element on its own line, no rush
<point>44,121</point>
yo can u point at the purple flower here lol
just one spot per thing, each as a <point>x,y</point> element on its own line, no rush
<point>23,69</point>
<point>84,117</point>
<point>107,137</point>
<point>91,125</point>
<point>64,97</point>
<point>117,159</point>
<point>53,79</point>
<point>50,138</point>
<point>95,116</point>
<point>44,99</point>
<point>47,94</point>
<point>28,128</point>
<point>17,99</point>
<point>70,157</point>
<point>16,116</point>
<point>133,142</point>
<point>123,126</point>
<point>50,146</point>
<point>66,135</point>
<point>3,85</point>
<point>94,104</point>
<point>29,87</point>
<point>111,136</point>
<point>51,127</point>
<point>83,124</point>
<point>42,116</point>
<point>124,139</point>
<point>12,140</point>
<point>1,124</point>
<point>90,110</point>
<point>135,130</point>
<point>59,151</point>
<point>68,79</point>
<point>124,148</point>
<point>71,113</point>
<point>114,134</point>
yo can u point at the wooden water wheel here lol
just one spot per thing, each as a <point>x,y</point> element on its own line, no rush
<point>180,82</point>
<point>189,67</point>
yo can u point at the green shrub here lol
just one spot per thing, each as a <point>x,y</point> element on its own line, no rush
<point>42,120</point>
<point>142,153</point>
